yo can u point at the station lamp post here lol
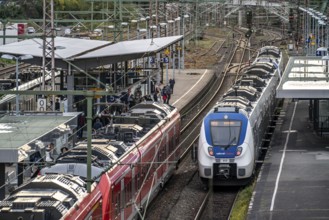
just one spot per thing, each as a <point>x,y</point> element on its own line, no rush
<point>173,31</point>
<point>152,28</point>
<point>183,46</point>
<point>126,24</point>
<point>179,47</point>
<point>137,27</point>
<point>142,29</point>
<point>147,26</point>
<point>163,25</point>
<point>112,29</point>
<point>17,59</point>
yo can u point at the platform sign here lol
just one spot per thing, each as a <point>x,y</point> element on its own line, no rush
<point>167,52</point>
<point>96,90</point>
<point>41,105</point>
<point>165,60</point>
<point>152,59</point>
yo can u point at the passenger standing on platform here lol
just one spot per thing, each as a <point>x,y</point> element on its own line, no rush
<point>49,153</point>
<point>172,84</point>
<point>36,159</point>
<point>57,105</point>
<point>81,124</point>
<point>63,150</point>
<point>168,92</point>
<point>138,94</point>
<point>155,95</point>
<point>164,95</point>
<point>131,100</point>
<point>98,124</point>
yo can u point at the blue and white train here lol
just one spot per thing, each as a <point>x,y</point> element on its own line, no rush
<point>232,132</point>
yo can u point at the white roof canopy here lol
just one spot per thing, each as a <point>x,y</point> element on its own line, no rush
<point>305,78</point>
<point>89,53</point>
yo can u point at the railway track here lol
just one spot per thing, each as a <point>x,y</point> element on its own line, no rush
<point>183,194</point>
<point>5,72</point>
<point>214,199</point>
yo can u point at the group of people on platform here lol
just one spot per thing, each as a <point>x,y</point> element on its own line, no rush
<point>160,94</point>
<point>164,93</point>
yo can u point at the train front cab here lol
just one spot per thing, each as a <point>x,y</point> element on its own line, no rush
<point>226,150</point>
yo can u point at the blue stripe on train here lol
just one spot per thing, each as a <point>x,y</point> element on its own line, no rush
<point>219,151</point>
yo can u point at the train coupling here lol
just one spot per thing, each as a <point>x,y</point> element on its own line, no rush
<point>224,170</point>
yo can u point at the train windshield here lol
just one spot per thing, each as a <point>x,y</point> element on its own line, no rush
<point>225,132</point>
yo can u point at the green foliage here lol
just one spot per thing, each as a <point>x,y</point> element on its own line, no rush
<point>6,61</point>
<point>10,11</point>
<point>242,203</point>
<point>34,8</point>
<point>70,5</point>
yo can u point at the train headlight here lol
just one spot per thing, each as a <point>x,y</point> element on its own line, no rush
<point>210,151</point>
<point>239,151</point>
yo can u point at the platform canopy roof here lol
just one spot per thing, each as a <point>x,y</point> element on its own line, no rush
<point>89,53</point>
<point>305,78</point>
<point>22,136</point>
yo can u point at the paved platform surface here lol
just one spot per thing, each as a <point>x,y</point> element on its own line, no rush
<point>294,181</point>
<point>189,82</point>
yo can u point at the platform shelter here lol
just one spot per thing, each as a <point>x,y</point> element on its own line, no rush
<point>308,78</point>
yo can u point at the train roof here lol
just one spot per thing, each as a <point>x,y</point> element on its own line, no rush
<point>246,91</point>
<point>251,80</point>
<point>76,169</point>
<point>113,140</point>
<point>269,51</point>
<point>47,197</point>
<point>265,65</point>
<point>238,99</point>
<point>150,109</point>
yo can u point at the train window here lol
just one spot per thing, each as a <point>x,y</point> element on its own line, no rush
<point>225,132</point>
<point>137,182</point>
<point>171,144</point>
<point>128,194</point>
<point>145,171</point>
<point>117,205</point>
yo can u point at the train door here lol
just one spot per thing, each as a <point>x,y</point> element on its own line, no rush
<point>116,201</point>
<point>161,156</point>
<point>122,198</point>
<point>133,184</point>
<point>96,212</point>
<point>128,193</point>
<point>171,146</point>
<point>176,140</point>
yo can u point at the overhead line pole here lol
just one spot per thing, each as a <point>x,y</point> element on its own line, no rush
<point>48,48</point>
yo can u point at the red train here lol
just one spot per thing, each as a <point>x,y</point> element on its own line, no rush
<point>134,156</point>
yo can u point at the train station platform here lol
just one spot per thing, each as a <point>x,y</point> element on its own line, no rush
<point>294,179</point>
<point>188,83</point>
